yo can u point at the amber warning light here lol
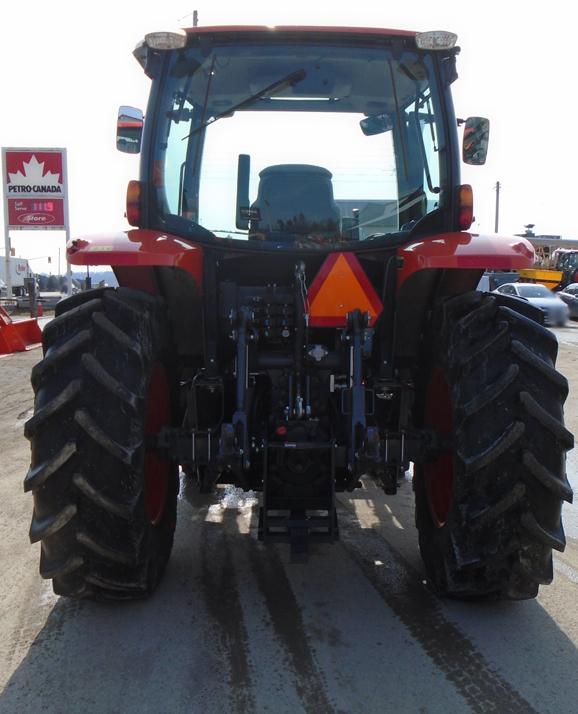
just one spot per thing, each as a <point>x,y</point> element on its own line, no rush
<point>133,196</point>
<point>466,206</point>
<point>340,287</point>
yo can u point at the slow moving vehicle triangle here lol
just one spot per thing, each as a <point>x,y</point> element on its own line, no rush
<point>340,287</point>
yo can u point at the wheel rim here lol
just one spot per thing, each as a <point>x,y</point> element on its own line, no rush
<point>156,466</point>
<point>439,474</point>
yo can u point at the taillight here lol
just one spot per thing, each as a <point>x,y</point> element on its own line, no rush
<point>465,207</point>
<point>133,196</point>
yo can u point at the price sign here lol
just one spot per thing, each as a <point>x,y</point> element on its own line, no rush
<point>35,189</point>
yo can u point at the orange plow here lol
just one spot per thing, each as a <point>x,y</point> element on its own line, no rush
<point>18,336</point>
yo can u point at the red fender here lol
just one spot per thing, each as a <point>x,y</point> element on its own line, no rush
<point>465,251</point>
<point>141,249</point>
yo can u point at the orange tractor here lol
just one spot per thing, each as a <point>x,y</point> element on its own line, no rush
<point>297,310</point>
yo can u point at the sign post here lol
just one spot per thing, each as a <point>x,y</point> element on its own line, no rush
<point>35,195</point>
<point>7,261</point>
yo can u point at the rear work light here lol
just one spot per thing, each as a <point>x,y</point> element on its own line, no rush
<point>436,40</point>
<point>166,40</point>
<point>133,197</point>
<point>465,206</point>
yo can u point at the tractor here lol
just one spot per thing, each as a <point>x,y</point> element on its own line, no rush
<point>297,312</point>
<point>560,270</point>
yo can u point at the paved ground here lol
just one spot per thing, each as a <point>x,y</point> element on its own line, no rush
<point>235,627</point>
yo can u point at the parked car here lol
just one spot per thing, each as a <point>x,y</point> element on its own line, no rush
<point>556,311</point>
<point>570,297</point>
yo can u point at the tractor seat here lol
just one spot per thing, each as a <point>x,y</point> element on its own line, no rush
<point>295,199</point>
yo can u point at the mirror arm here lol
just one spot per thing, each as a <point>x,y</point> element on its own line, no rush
<point>431,187</point>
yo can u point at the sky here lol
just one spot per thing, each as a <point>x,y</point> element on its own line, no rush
<point>67,66</point>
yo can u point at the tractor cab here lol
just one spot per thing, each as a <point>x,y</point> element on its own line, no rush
<point>300,137</point>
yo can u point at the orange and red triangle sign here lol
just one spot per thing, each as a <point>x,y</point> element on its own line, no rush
<point>341,286</point>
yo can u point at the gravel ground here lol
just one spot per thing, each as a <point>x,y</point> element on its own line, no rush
<point>236,627</point>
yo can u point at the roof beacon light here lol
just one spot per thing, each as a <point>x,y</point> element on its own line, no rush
<point>166,40</point>
<point>436,40</point>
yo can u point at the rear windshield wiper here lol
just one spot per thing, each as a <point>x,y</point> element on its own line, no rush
<point>288,81</point>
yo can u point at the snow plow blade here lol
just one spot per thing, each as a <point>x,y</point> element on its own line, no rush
<point>18,336</point>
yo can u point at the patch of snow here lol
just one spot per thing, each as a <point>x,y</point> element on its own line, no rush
<point>22,418</point>
<point>408,476</point>
<point>182,484</point>
<point>47,596</point>
<point>232,497</point>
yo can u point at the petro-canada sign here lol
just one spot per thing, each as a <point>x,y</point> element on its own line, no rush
<point>35,190</point>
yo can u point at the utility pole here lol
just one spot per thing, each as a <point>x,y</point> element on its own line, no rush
<point>67,234</point>
<point>497,215</point>
<point>7,251</point>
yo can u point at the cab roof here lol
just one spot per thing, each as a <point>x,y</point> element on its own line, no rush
<point>268,29</point>
<point>229,33</point>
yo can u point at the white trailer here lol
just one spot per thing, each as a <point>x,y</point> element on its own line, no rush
<point>19,270</point>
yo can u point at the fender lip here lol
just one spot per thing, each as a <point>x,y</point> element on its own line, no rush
<point>137,248</point>
<point>465,251</point>
<point>143,247</point>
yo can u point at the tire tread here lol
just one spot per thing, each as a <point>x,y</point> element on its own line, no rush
<point>509,442</point>
<point>88,447</point>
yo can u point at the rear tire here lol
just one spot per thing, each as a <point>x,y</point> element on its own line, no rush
<point>488,508</point>
<point>104,499</point>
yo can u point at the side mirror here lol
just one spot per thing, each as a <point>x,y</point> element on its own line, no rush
<point>129,128</point>
<point>475,141</point>
<point>376,124</point>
